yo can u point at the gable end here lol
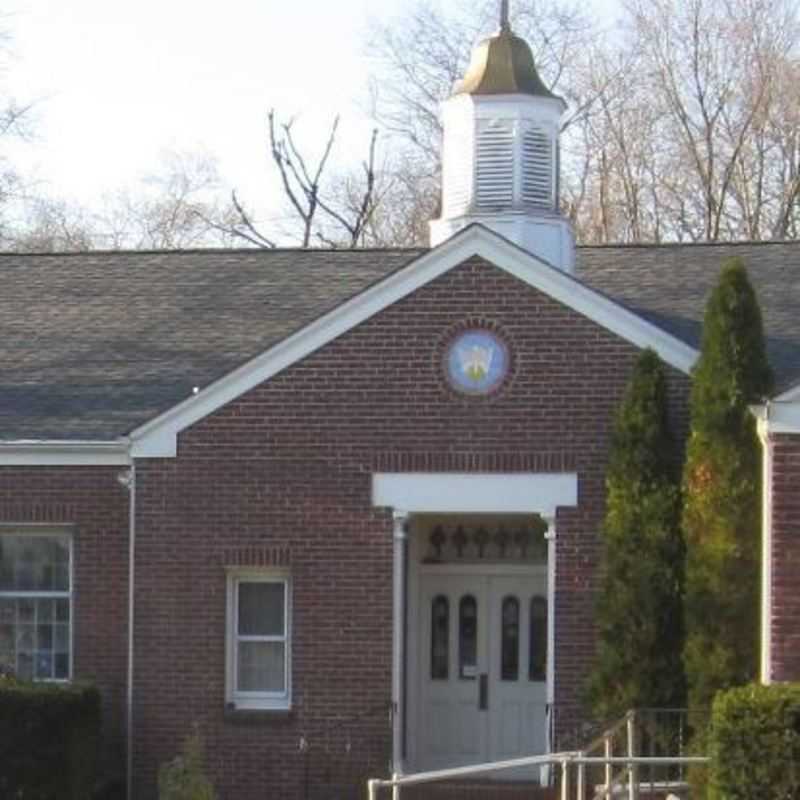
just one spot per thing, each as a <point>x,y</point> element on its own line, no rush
<point>158,438</point>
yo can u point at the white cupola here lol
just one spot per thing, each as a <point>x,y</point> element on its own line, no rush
<point>501,153</point>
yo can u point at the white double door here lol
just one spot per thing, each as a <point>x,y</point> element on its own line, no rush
<point>482,683</point>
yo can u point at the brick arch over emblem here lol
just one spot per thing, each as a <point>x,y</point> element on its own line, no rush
<point>450,334</point>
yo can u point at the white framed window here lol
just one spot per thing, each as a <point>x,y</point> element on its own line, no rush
<point>36,603</point>
<point>259,640</point>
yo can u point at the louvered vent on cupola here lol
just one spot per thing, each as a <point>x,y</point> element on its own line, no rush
<point>537,169</point>
<point>494,175</point>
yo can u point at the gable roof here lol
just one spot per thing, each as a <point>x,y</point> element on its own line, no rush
<point>94,345</point>
<point>159,436</point>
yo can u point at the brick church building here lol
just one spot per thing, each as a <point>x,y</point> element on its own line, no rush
<point>339,510</point>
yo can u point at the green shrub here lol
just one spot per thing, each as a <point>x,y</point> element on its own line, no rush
<point>49,741</point>
<point>754,744</point>
<point>639,608</point>
<point>184,777</point>
<point>722,494</point>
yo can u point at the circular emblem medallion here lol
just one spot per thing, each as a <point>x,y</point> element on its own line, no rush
<point>476,362</point>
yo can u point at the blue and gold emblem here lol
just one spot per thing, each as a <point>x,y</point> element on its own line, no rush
<point>476,362</point>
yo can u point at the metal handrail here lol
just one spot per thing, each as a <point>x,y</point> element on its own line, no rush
<point>472,769</point>
<point>628,775</point>
<point>561,759</point>
<point>656,761</point>
<point>612,730</point>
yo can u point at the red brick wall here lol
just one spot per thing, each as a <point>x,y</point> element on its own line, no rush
<point>95,506</point>
<point>289,466</point>
<point>785,557</point>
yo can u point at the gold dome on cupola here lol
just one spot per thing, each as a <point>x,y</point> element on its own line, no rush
<point>503,64</point>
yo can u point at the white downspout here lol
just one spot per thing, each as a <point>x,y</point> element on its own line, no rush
<point>550,535</point>
<point>129,481</point>
<point>766,547</point>
<point>400,537</point>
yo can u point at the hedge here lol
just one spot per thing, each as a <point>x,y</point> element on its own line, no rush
<point>754,743</point>
<point>49,740</point>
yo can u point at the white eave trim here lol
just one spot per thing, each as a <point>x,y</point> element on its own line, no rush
<point>158,438</point>
<point>59,453</point>
<point>777,416</point>
<point>489,493</point>
<point>789,395</point>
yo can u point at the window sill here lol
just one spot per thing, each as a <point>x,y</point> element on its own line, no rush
<point>257,716</point>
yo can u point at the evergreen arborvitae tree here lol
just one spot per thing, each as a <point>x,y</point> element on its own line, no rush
<point>722,495</point>
<point>639,611</point>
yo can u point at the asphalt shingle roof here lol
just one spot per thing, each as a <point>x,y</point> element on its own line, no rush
<point>93,345</point>
<point>669,285</point>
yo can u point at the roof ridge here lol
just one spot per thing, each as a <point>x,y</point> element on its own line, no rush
<point>185,251</point>
<point>207,251</point>
<point>657,245</point>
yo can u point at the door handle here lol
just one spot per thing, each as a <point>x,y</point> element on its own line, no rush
<point>483,692</point>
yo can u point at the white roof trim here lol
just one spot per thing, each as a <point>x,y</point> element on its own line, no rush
<point>789,394</point>
<point>776,416</point>
<point>158,438</point>
<point>55,453</point>
<point>515,493</point>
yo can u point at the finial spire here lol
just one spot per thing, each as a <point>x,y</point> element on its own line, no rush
<point>505,25</point>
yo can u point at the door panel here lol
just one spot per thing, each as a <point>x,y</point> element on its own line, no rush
<point>438,723</point>
<point>454,730</point>
<point>517,711</point>
<point>484,628</point>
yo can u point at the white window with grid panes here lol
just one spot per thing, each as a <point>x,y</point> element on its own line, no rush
<point>258,640</point>
<point>36,603</point>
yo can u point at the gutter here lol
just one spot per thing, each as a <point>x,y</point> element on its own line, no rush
<point>65,453</point>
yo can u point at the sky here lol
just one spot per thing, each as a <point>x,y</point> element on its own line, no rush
<point>116,84</point>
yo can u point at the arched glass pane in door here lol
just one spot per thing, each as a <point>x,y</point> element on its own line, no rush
<point>509,639</point>
<point>468,637</point>
<point>440,638</point>
<point>537,662</point>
